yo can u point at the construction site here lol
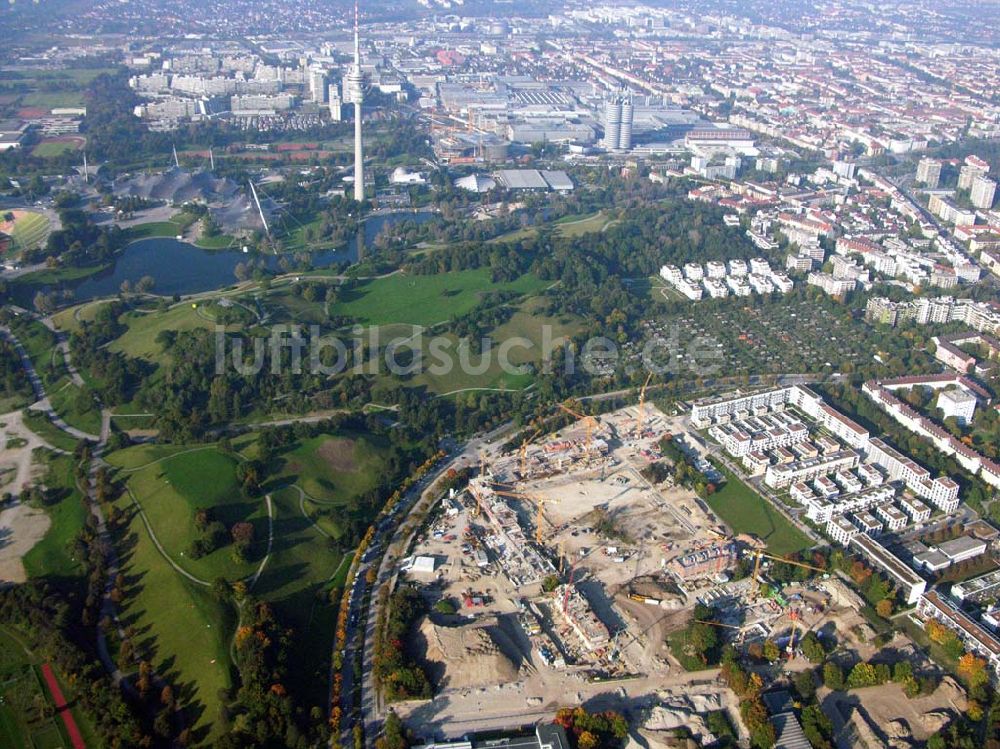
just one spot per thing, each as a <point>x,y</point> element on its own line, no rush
<point>568,565</point>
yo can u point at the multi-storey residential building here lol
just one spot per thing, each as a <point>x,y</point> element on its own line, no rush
<point>953,356</point>
<point>983,191</point>
<point>740,439</point>
<point>911,584</point>
<point>981,316</point>
<point>958,403</point>
<point>895,519</point>
<point>841,530</point>
<point>820,509</point>
<point>942,491</point>
<point>929,172</point>
<point>978,589</point>
<point>975,637</point>
<point>831,285</point>
<point>867,523</point>
<point>917,510</point>
<point>972,168</point>
<point>780,476</point>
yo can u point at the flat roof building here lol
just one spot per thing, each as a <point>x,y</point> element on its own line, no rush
<point>911,584</point>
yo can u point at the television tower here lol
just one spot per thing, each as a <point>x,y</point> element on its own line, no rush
<point>356,85</point>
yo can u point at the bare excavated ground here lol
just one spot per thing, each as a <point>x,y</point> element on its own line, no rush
<point>21,527</point>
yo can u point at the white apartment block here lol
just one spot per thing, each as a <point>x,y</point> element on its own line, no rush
<point>870,475</point>
<point>738,267</point>
<point>911,584</point>
<point>715,269</point>
<point>782,282</point>
<point>740,439</point>
<point>689,289</point>
<point>738,286</point>
<point>760,267</point>
<point>798,263</point>
<point>671,274</point>
<point>693,271</point>
<point>983,191</point>
<point>917,510</point>
<point>831,285</point>
<point>761,284</point>
<point>942,491</point>
<point>974,636</point>
<point>716,289</point>
<point>821,510</point>
<point>841,530</point>
<point>867,523</point>
<point>780,476</point>
<point>894,518</point>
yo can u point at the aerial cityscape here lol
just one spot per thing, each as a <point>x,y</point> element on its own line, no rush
<point>452,374</point>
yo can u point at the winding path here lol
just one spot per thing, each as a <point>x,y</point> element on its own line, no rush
<point>251,579</point>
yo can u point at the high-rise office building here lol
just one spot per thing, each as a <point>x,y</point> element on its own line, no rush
<point>618,117</point>
<point>612,123</point>
<point>929,173</point>
<point>983,191</point>
<point>625,137</point>
<point>317,85</point>
<point>336,104</point>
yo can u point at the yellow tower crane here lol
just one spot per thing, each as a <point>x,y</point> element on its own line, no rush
<point>760,554</point>
<point>642,406</point>
<point>589,423</point>
<point>539,505</point>
<point>523,453</point>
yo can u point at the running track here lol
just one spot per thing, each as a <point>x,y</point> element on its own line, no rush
<point>57,696</point>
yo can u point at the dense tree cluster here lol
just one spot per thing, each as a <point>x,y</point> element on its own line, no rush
<point>266,713</point>
<point>14,380</point>
<point>45,616</point>
<point>399,676</point>
<point>589,730</point>
<point>80,241</point>
<point>748,687</point>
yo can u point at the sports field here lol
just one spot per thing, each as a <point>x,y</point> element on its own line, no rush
<point>22,692</point>
<point>27,231</point>
<point>48,149</point>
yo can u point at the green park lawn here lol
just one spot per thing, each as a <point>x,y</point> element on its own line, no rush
<point>423,300</point>
<point>154,229</point>
<point>40,344</point>
<point>76,406</point>
<point>332,470</point>
<point>747,512</point>
<point>527,325</point>
<point>40,424</point>
<point>139,341</point>
<point>172,485</point>
<point>68,320</point>
<point>218,242</point>
<point>185,631</point>
<point>576,226</point>
<point>51,557</point>
<point>304,566</point>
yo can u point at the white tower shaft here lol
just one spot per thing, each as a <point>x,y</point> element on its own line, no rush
<point>356,82</point>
